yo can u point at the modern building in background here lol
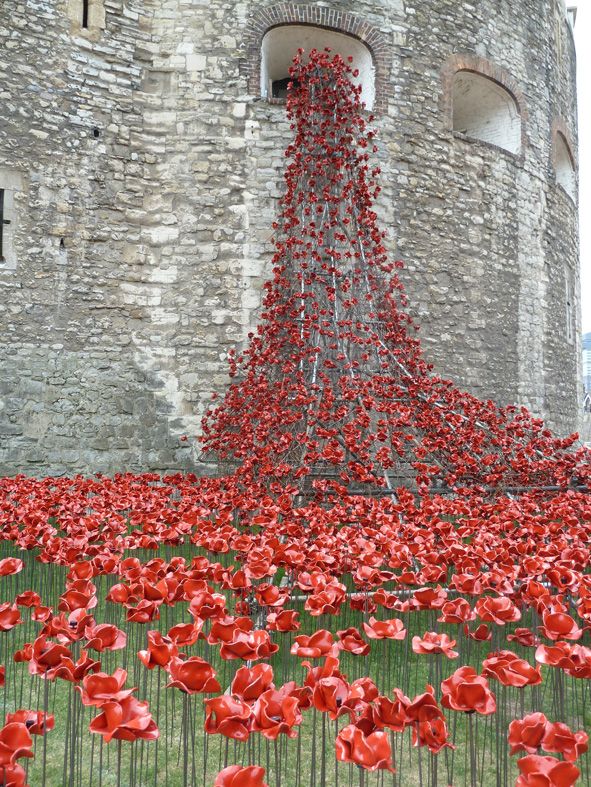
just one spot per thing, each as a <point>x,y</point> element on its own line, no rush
<point>141,161</point>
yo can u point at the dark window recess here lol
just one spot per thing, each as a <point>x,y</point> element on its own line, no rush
<point>85,4</point>
<point>279,87</point>
<point>3,221</point>
<point>62,244</point>
<point>96,132</point>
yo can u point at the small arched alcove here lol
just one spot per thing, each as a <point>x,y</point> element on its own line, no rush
<point>564,166</point>
<point>483,109</point>
<point>280,45</point>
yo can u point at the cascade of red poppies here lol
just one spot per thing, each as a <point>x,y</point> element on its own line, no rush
<point>333,387</point>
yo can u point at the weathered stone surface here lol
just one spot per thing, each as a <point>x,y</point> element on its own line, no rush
<point>150,170</point>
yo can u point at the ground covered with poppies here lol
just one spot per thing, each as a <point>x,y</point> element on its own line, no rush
<point>388,584</point>
<point>152,633</point>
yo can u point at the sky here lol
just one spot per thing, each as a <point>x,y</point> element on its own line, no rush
<point>582,37</point>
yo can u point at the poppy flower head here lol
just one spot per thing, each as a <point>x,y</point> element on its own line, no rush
<point>467,691</point>
<point>193,676</point>
<point>314,646</point>
<point>526,734</point>
<point>250,682</point>
<point>99,687</point>
<point>510,670</point>
<point>15,743</point>
<point>36,721</point>
<point>385,629</point>
<point>433,643</point>
<point>538,771</point>
<point>228,716</point>
<point>274,714</point>
<point>370,751</point>
<point>241,776</point>
<point>126,719</point>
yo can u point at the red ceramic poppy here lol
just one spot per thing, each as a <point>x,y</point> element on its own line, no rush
<point>144,612</point>
<point>314,646</point>
<point>433,643</point>
<point>239,776</point>
<point>160,651</point>
<point>75,671</point>
<point>467,691</point>
<point>275,713</point>
<point>481,633</point>
<point>36,721</point>
<point>458,610</point>
<point>351,640</point>
<point>385,629</point>
<point>228,716</point>
<point>330,668</point>
<point>559,739</point>
<point>268,595</point>
<point>525,637</point>
<point>538,771</point>
<point>329,696</point>
<point>497,609</point>
<point>526,734</point>
<point>15,742</point>
<point>186,634</point>
<point>326,601</point>
<point>250,682</point>
<point>510,670</point>
<point>46,656</point>
<point>428,598</point>
<point>10,616</point>
<point>557,655</point>
<point>225,629</point>
<point>579,662</point>
<point>424,706</point>
<point>371,751</point>
<point>206,605</point>
<point>559,625</point>
<point>127,719</point>
<point>25,654</point>
<point>105,637</point>
<point>249,646</point>
<point>99,688</point>
<point>432,733</point>
<point>193,676</point>
<point>13,776</point>
<point>286,620</point>
<point>28,599</point>
<point>10,565</point>
<point>391,713</point>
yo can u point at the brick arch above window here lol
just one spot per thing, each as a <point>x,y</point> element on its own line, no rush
<point>265,19</point>
<point>480,67</point>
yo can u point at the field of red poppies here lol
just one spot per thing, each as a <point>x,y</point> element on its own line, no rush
<point>154,633</point>
<point>390,586</point>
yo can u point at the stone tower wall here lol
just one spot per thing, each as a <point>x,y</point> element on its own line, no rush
<point>145,169</point>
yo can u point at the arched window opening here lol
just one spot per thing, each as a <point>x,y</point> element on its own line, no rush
<point>280,45</point>
<point>484,110</point>
<point>279,87</point>
<point>564,166</point>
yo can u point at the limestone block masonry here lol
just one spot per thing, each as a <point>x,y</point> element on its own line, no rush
<point>141,168</point>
